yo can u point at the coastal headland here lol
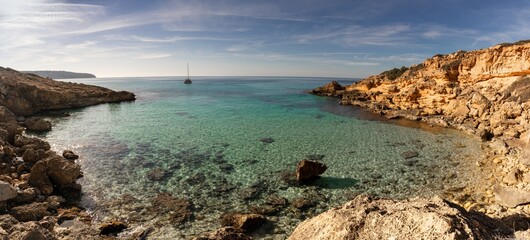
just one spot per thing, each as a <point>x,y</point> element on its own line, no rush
<point>484,92</point>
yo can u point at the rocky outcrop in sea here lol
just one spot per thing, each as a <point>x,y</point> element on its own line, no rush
<point>28,94</point>
<point>485,93</point>
<point>38,189</point>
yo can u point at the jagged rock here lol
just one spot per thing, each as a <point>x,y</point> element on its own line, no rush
<point>7,222</point>
<point>30,212</point>
<point>7,191</point>
<point>68,154</point>
<point>112,227</point>
<point>32,156</point>
<point>367,218</point>
<point>225,233</point>
<point>510,196</point>
<point>6,116</point>
<point>37,124</point>
<point>308,170</point>
<point>243,221</point>
<point>331,89</point>
<point>26,196</point>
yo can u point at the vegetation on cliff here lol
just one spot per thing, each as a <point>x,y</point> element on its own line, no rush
<point>60,74</point>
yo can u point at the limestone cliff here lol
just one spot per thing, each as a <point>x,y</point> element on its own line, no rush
<point>27,94</point>
<point>485,91</point>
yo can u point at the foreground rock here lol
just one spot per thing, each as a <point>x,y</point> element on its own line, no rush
<point>27,94</point>
<point>367,218</point>
<point>307,170</point>
<point>244,222</point>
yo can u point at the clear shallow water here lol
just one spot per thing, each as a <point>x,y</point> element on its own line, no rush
<point>205,140</point>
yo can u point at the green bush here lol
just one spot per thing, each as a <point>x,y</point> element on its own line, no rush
<point>394,73</point>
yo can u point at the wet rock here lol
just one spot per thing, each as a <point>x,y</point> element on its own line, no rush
<point>68,154</point>
<point>225,233</point>
<point>61,171</point>
<point>308,170</point>
<point>112,227</point>
<point>409,154</point>
<point>32,156</point>
<point>178,209</point>
<point>315,157</point>
<point>367,218</point>
<point>510,196</point>
<point>303,203</point>
<point>30,231</point>
<point>7,191</point>
<point>267,140</point>
<point>30,212</point>
<point>156,174</point>
<point>37,124</point>
<point>276,200</point>
<point>244,221</point>
<point>39,178</point>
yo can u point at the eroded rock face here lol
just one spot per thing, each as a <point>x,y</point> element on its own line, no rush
<point>7,191</point>
<point>27,94</point>
<point>367,218</point>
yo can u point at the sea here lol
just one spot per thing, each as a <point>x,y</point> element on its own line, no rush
<point>231,145</point>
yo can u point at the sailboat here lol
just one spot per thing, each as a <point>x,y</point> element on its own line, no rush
<point>188,80</point>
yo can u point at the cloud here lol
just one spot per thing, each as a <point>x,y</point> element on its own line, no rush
<point>153,56</point>
<point>354,35</point>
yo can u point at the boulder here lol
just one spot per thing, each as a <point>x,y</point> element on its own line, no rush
<point>68,154</point>
<point>243,221</point>
<point>368,218</point>
<point>39,178</point>
<point>510,196</point>
<point>30,212</point>
<point>331,89</point>
<point>37,124</point>
<point>33,156</point>
<point>7,191</point>
<point>61,171</point>
<point>308,170</point>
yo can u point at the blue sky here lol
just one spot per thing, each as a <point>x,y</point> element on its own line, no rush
<point>331,38</point>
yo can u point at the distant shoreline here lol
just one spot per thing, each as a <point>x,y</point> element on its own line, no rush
<point>60,74</point>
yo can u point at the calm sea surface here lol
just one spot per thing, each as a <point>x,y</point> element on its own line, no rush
<point>202,142</point>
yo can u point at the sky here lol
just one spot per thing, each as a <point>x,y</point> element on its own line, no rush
<point>313,38</point>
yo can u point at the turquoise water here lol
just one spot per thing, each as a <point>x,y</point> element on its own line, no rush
<point>205,141</point>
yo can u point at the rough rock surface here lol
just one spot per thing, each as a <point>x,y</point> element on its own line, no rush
<point>307,170</point>
<point>367,218</point>
<point>37,124</point>
<point>225,233</point>
<point>331,89</point>
<point>243,221</point>
<point>7,191</point>
<point>27,94</point>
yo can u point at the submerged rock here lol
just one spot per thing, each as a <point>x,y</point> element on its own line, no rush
<point>367,218</point>
<point>308,170</point>
<point>243,221</point>
<point>267,140</point>
<point>156,174</point>
<point>177,209</point>
<point>112,227</point>
<point>409,154</point>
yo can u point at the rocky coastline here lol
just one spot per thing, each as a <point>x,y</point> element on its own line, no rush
<point>38,189</point>
<point>485,93</point>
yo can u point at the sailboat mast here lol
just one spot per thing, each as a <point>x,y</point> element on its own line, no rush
<point>188,64</point>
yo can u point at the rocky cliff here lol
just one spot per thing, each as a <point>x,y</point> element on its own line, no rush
<point>27,94</point>
<point>484,92</point>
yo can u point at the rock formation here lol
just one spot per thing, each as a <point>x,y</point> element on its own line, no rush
<point>307,170</point>
<point>27,94</point>
<point>367,218</point>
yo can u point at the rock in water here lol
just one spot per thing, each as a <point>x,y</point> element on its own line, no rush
<point>68,154</point>
<point>112,227</point>
<point>367,218</point>
<point>309,170</point>
<point>410,154</point>
<point>245,222</point>
<point>7,191</point>
<point>37,124</point>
